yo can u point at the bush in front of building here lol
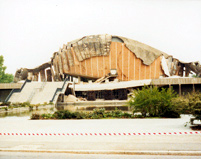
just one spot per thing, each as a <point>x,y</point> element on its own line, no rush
<point>95,114</point>
<point>182,104</point>
<point>189,104</point>
<point>195,104</point>
<point>150,101</point>
<point>35,116</point>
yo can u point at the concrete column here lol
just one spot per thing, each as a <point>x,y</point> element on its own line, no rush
<point>193,88</point>
<point>30,76</point>
<point>42,75</point>
<point>79,79</point>
<point>179,89</point>
<point>52,73</point>
<point>49,75</point>
<point>35,77</point>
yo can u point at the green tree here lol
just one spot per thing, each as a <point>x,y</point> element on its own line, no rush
<point>153,102</point>
<point>195,104</point>
<point>4,77</point>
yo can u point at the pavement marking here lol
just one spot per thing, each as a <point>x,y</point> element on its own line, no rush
<point>100,134</point>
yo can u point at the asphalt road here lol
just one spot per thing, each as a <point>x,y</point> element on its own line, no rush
<point>119,144</point>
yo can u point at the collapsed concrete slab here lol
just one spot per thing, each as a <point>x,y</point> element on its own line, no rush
<point>93,57</point>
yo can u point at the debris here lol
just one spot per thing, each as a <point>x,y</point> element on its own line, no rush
<point>70,98</point>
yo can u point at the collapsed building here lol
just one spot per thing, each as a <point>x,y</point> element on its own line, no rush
<point>108,67</point>
<point>93,57</point>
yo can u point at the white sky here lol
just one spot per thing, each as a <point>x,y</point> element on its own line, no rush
<point>32,30</point>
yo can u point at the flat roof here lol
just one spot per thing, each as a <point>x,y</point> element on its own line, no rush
<point>10,85</point>
<point>136,83</point>
<point>175,81</point>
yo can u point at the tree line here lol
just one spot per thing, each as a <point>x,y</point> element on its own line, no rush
<point>4,77</point>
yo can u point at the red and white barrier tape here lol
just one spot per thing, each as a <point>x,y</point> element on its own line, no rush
<point>99,134</point>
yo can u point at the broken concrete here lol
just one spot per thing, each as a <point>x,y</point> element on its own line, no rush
<point>70,98</point>
<point>92,57</point>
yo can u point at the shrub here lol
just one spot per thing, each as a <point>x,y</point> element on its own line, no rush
<point>82,115</point>
<point>182,104</point>
<point>145,100</point>
<point>117,113</point>
<point>138,116</point>
<point>153,102</point>
<point>30,107</point>
<point>170,113</point>
<point>4,108</point>
<point>47,116</point>
<point>35,116</point>
<point>87,115</point>
<point>63,114</point>
<point>127,115</point>
<point>52,109</point>
<point>25,104</point>
<point>195,104</point>
<point>51,103</point>
<point>99,111</point>
<point>96,114</point>
<point>10,107</point>
<point>37,105</point>
<point>166,107</point>
<point>78,115</point>
<point>16,105</point>
<point>45,103</point>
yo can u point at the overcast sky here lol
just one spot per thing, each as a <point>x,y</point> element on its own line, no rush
<point>32,30</point>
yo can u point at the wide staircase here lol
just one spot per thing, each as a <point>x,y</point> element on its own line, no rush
<point>39,92</point>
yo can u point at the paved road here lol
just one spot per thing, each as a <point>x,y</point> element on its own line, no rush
<point>23,124</point>
<point>25,155</point>
<point>92,144</point>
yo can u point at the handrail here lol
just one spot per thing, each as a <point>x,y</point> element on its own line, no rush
<point>59,89</point>
<point>16,90</point>
<point>24,84</point>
